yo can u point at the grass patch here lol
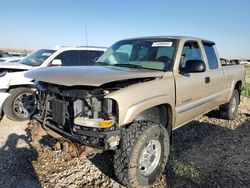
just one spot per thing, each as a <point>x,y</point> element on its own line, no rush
<point>246,90</point>
<point>247,67</point>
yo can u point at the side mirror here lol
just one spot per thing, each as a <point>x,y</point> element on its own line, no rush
<point>193,66</point>
<point>56,62</point>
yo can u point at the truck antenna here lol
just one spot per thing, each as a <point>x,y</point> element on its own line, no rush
<point>86,34</point>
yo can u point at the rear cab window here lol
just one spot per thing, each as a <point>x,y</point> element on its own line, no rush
<point>211,55</point>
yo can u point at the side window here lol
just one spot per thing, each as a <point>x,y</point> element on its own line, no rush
<point>190,51</point>
<point>89,57</point>
<point>69,58</point>
<point>211,56</point>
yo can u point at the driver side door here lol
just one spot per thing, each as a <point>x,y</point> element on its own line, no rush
<point>191,88</point>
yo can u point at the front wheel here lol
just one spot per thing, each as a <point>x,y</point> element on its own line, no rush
<point>229,110</point>
<point>20,105</point>
<point>143,154</point>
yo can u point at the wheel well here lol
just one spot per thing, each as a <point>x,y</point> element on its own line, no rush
<point>238,86</point>
<point>159,114</point>
<point>20,86</point>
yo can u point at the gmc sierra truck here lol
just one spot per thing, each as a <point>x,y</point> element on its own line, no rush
<point>139,91</point>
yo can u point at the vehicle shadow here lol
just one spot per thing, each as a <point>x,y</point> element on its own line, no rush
<point>104,162</point>
<point>16,169</point>
<point>208,155</point>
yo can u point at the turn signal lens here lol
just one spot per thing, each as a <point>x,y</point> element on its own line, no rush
<point>106,123</point>
<point>94,123</point>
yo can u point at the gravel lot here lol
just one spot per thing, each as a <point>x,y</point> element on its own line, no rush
<point>209,152</point>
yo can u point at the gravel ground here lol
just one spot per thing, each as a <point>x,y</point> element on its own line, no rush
<point>209,152</point>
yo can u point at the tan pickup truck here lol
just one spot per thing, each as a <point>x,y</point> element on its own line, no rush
<point>139,91</point>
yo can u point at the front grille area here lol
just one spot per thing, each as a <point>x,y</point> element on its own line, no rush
<point>58,108</point>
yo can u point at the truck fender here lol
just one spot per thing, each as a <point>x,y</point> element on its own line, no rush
<point>136,109</point>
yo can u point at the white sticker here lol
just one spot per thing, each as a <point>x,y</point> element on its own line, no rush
<point>159,44</point>
<point>46,54</point>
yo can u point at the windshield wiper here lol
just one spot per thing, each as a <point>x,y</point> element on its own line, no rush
<point>128,65</point>
<point>102,63</point>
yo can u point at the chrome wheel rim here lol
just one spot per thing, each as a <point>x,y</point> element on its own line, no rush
<point>150,157</point>
<point>24,105</point>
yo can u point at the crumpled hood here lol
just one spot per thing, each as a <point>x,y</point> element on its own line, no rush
<point>88,75</point>
<point>15,66</point>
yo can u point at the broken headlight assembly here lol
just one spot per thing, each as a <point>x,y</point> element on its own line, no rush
<point>95,111</point>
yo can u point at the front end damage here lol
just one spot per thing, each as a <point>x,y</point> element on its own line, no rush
<point>80,114</point>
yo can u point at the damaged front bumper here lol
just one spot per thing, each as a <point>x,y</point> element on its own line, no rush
<point>105,140</point>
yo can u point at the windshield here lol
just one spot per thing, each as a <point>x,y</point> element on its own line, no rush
<point>37,58</point>
<point>143,54</point>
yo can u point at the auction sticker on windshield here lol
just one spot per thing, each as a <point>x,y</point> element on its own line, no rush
<point>160,44</point>
<point>46,54</point>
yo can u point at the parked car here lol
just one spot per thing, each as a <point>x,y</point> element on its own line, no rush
<point>10,59</point>
<point>17,54</point>
<point>4,54</point>
<point>16,92</point>
<point>225,62</point>
<point>142,90</point>
<point>235,61</point>
<point>239,61</point>
<point>247,62</point>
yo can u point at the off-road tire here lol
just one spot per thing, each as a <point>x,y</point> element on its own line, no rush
<point>126,159</point>
<point>9,104</point>
<point>229,110</point>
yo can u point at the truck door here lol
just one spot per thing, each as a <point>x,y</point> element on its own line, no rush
<point>216,74</point>
<point>192,89</point>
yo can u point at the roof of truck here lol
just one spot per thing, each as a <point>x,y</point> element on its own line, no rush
<point>169,37</point>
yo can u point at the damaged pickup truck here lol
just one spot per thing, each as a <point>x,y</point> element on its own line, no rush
<point>139,91</point>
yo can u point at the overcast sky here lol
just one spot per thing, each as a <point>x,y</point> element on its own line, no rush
<point>46,23</point>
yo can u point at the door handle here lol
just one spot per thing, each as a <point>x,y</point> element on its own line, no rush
<point>207,80</point>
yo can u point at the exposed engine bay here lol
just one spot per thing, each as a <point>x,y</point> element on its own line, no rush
<point>81,113</point>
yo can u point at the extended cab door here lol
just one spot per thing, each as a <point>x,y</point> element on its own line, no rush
<point>193,90</point>
<point>216,74</point>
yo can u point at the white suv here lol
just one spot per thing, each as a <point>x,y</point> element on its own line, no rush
<point>17,101</point>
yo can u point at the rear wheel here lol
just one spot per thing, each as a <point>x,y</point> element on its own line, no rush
<point>20,105</point>
<point>143,154</point>
<point>229,110</point>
